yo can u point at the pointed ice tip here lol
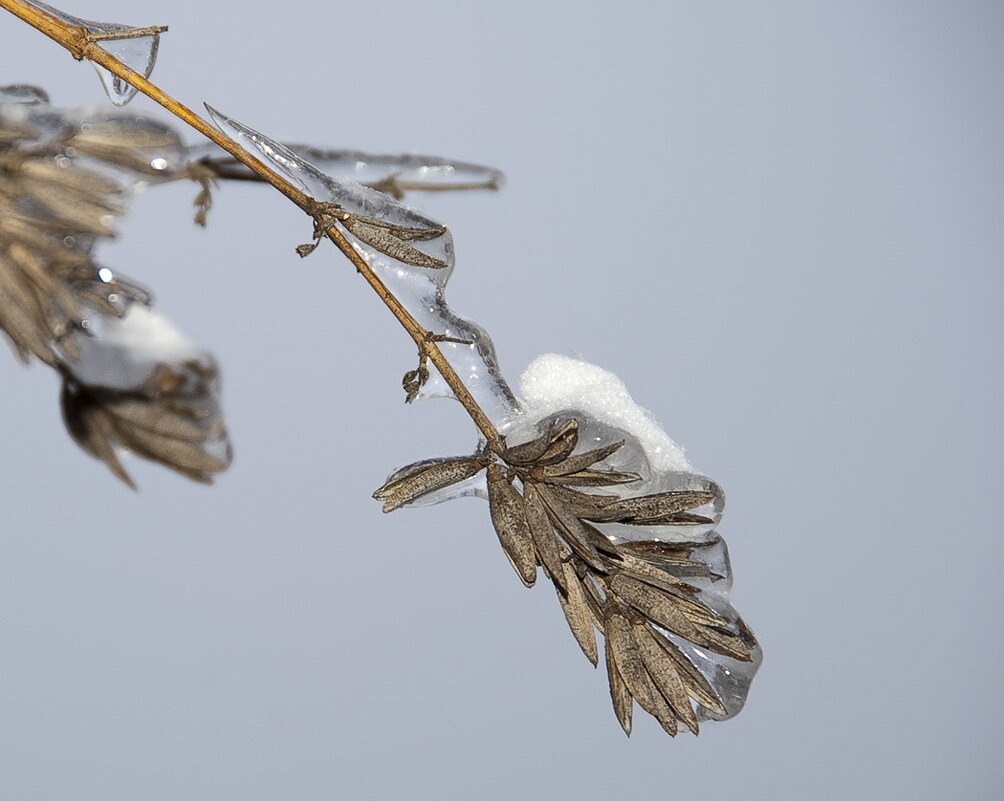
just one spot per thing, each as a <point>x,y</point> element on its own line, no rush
<point>219,118</point>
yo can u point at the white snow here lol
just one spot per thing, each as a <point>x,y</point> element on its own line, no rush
<point>554,383</point>
<point>123,353</point>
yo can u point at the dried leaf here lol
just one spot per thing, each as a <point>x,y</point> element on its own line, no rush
<point>663,507</point>
<point>404,232</point>
<point>563,442</point>
<point>594,478</point>
<point>621,640</point>
<point>22,315</point>
<point>422,478</point>
<point>544,540</point>
<point>509,518</point>
<point>619,693</point>
<point>90,429</point>
<point>657,606</point>
<point>530,452</point>
<point>663,672</point>
<point>578,613</point>
<point>383,239</point>
<point>573,464</point>
<point>158,418</point>
<point>574,531</point>
<point>697,686</point>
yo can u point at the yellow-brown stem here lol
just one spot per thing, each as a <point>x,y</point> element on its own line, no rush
<point>81,46</point>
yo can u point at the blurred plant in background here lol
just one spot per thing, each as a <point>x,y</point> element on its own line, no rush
<point>580,481</point>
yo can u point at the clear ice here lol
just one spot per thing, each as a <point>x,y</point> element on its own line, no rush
<point>139,53</point>
<point>421,290</point>
<point>405,172</point>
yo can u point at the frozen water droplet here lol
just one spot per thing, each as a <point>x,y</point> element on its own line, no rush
<point>419,288</point>
<point>139,53</point>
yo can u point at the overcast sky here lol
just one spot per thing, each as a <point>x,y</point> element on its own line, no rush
<point>779,223</point>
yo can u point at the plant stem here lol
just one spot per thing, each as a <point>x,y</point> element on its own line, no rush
<point>83,46</point>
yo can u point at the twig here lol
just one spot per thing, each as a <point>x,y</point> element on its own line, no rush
<point>82,45</point>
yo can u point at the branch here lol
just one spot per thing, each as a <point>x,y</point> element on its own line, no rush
<point>82,45</point>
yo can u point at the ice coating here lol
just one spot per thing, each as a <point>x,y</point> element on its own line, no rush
<point>402,172</point>
<point>553,382</point>
<point>420,289</point>
<point>139,53</point>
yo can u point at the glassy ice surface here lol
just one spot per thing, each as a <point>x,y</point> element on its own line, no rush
<point>404,172</point>
<point>420,289</point>
<point>558,388</point>
<point>138,53</point>
<point>630,458</point>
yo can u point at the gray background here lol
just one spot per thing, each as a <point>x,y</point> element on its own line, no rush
<point>781,225</point>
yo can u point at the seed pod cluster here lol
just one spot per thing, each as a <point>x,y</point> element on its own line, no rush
<point>645,597</point>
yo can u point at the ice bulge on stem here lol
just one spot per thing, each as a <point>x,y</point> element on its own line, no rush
<point>410,252</point>
<point>138,51</point>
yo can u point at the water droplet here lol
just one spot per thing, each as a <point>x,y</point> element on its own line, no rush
<point>159,164</point>
<point>106,275</point>
<point>69,241</point>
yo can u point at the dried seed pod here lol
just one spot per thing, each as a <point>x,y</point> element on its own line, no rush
<point>619,693</point>
<point>653,604</point>
<point>647,509</point>
<point>410,483</point>
<point>387,242</point>
<point>696,685</point>
<point>22,315</point>
<point>509,519</point>
<point>574,531</point>
<point>530,451</point>
<point>563,442</point>
<point>663,672</point>
<point>160,421</point>
<point>544,540</point>
<point>593,478</point>
<point>578,612</point>
<point>90,428</point>
<point>627,655</point>
<point>573,464</point>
